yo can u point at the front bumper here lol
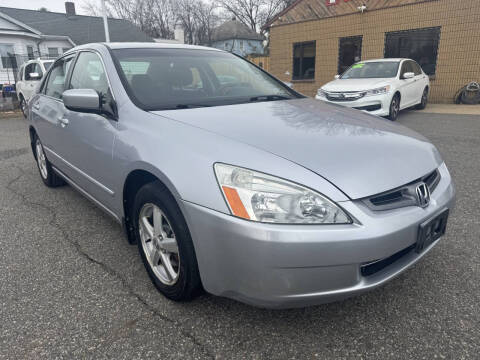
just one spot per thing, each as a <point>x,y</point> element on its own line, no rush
<point>280,266</point>
<point>381,104</point>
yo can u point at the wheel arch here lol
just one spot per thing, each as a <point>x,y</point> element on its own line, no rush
<point>33,133</point>
<point>135,179</point>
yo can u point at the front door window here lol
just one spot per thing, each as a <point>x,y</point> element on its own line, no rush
<point>56,80</point>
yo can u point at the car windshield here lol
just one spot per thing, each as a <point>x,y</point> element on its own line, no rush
<point>159,79</point>
<point>47,64</point>
<point>368,70</point>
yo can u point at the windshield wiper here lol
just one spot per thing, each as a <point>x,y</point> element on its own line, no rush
<point>269,98</point>
<point>190,106</point>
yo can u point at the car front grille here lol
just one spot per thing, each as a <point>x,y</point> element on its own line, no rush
<point>404,195</point>
<point>344,96</point>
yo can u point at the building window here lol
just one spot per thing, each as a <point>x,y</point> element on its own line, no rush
<point>9,60</point>
<point>349,52</point>
<point>226,46</point>
<point>241,44</point>
<point>30,53</point>
<point>304,61</point>
<point>420,45</point>
<point>52,52</point>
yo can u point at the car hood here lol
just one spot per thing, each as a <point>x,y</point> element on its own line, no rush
<point>359,153</point>
<point>355,84</point>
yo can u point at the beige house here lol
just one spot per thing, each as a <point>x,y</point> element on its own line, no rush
<point>312,40</point>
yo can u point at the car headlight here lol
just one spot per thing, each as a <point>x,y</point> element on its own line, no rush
<point>260,197</point>
<point>378,91</point>
<point>321,93</point>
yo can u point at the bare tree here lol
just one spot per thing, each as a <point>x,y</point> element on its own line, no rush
<point>207,19</point>
<point>185,14</point>
<point>197,18</point>
<point>253,13</point>
<point>155,17</point>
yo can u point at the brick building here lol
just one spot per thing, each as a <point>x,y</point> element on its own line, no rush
<point>312,40</point>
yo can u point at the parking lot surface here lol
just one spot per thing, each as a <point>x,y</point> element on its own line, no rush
<point>72,287</point>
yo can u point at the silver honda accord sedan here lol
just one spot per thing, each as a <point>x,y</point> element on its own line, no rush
<point>230,181</point>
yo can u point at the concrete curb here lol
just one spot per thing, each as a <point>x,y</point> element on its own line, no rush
<point>452,109</point>
<point>10,114</point>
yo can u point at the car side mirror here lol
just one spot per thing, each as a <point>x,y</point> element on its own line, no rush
<point>337,77</point>
<point>408,75</point>
<point>82,100</point>
<point>35,76</point>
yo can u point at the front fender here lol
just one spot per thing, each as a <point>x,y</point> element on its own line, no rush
<point>182,157</point>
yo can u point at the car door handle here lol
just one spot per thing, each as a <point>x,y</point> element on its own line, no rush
<point>63,122</point>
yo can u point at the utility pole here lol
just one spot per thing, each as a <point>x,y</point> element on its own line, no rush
<point>105,21</point>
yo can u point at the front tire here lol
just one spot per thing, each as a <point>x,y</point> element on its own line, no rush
<point>394,107</point>
<point>24,107</point>
<point>49,177</point>
<point>423,101</point>
<point>165,244</point>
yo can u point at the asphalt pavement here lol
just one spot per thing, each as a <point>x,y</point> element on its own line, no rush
<point>72,287</point>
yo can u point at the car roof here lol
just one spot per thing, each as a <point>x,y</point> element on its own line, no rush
<point>385,60</point>
<point>146,45</point>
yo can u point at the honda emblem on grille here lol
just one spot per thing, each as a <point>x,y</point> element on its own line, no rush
<point>423,195</point>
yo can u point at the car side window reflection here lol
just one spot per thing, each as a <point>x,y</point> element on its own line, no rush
<point>56,80</point>
<point>89,73</point>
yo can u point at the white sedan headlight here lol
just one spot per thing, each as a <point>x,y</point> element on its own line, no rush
<point>321,93</point>
<point>378,91</point>
<point>260,197</point>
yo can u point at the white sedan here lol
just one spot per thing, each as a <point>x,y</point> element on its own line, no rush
<point>381,87</point>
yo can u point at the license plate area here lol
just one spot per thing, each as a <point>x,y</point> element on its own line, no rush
<point>431,230</point>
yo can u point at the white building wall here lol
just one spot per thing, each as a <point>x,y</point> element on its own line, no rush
<point>56,44</point>
<point>19,44</point>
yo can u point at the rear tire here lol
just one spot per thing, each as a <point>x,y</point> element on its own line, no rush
<point>423,101</point>
<point>49,177</point>
<point>165,244</point>
<point>394,107</point>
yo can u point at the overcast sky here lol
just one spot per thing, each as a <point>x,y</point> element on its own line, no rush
<point>51,5</point>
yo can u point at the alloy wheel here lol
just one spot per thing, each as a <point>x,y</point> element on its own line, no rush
<point>159,243</point>
<point>394,108</point>
<point>41,159</point>
<point>424,98</point>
